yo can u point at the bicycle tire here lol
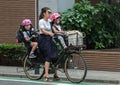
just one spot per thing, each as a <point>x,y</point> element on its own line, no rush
<point>75,69</point>
<point>33,70</point>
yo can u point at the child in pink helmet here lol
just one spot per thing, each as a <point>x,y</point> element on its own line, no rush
<point>27,29</point>
<point>56,27</point>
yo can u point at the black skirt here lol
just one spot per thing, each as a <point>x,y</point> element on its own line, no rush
<point>48,47</point>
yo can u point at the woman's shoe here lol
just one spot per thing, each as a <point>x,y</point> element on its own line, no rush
<point>46,79</point>
<point>55,77</point>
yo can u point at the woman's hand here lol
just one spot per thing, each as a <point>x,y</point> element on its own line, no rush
<point>51,34</point>
<point>62,32</point>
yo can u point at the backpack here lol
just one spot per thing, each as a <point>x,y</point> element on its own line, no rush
<point>19,36</point>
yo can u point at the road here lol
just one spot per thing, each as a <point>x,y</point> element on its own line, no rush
<point>24,81</point>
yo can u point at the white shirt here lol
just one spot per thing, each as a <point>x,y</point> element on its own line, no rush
<point>58,27</point>
<point>44,25</point>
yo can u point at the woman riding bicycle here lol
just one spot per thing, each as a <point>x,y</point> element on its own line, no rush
<point>70,60</point>
<point>49,48</point>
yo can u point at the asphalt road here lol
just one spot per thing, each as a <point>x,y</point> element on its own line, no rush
<point>24,81</point>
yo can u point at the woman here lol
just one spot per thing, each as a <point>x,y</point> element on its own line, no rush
<point>45,40</point>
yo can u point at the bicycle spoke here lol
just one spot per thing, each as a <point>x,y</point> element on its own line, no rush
<point>33,70</point>
<point>75,67</point>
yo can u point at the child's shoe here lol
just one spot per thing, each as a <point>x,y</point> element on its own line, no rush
<point>32,56</point>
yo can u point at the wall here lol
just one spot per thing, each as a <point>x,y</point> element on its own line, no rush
<point>55,5</point>
<point>104,60</point>
<point>63,5</point>
<point>12,12</point>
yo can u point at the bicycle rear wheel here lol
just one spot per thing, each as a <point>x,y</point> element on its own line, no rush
<point>75,67</point>
<point>33,68</point>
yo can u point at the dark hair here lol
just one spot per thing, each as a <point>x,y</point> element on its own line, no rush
<point>43,10</point>
<point>23,27</point>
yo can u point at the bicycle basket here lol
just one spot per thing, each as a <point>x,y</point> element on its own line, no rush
<point>75,38</point>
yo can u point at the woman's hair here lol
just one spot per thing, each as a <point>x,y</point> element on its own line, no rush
<point>43,10</point>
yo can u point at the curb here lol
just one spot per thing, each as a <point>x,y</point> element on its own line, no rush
<point>103,81</point>
<point>9,75</point>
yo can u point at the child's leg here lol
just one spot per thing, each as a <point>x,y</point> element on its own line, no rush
<point>62,41</point>
<point>34,46</point>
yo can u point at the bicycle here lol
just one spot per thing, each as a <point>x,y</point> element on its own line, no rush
<point>73,64</point>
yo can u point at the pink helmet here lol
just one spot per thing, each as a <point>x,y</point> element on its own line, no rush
<point>26,22</point>
<point>55,16</point>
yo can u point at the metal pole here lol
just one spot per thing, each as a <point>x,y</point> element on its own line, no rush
<point>36,14</point>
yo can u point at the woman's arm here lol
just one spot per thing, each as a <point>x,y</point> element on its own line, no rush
<point>47,33</point>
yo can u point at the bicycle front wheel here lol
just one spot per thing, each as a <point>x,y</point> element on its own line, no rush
<point>75,67</point>
<point>33,69</point>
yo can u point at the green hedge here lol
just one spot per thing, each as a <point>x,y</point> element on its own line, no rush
<point>10,54</point>
<point>101,23</point>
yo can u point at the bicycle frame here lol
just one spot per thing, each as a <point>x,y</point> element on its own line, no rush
<point>62,55</point>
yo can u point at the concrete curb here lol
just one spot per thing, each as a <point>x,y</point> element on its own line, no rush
<point>103,81</point>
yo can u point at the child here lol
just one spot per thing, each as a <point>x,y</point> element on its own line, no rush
<point>55,19</point>
<point>27,29</point>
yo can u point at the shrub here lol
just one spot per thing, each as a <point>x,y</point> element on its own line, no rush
<point>10,53</point>
<point>110,23</point>
<point>101,23</point>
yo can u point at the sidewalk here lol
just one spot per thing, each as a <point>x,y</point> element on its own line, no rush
<point>92,76</point>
